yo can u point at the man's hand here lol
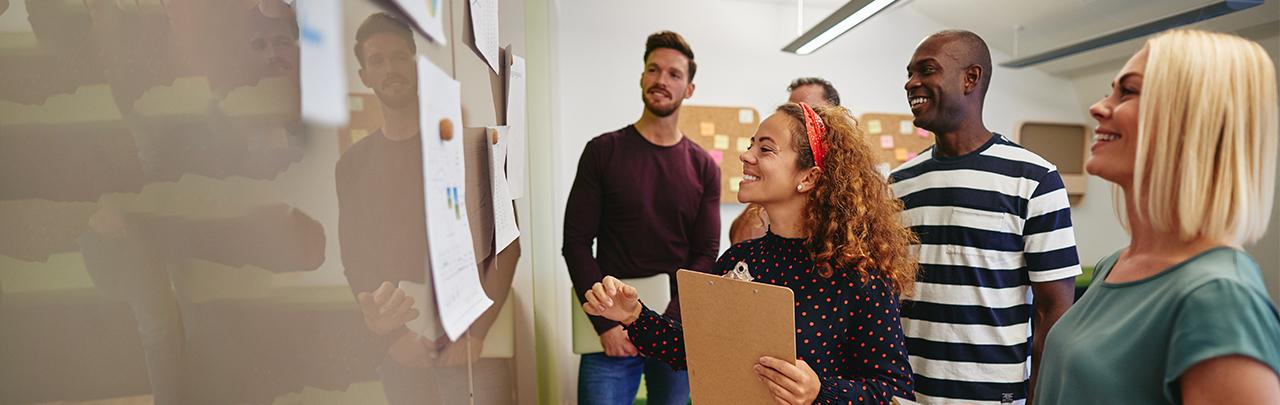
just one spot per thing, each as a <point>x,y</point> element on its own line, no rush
<point>386,308</point>
<point>613,300</point>
<point>793,384</point>
<point>616,343</point>
<point>413,350</point>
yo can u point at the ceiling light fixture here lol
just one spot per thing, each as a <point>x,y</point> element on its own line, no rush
<point>836,24</point>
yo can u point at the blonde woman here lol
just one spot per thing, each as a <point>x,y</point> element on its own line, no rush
<point>1180,315</point>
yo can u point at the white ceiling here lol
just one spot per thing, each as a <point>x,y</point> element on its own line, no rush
<point>1048,24</point>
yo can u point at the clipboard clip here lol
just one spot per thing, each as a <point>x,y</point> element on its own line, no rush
<point>739,272</point>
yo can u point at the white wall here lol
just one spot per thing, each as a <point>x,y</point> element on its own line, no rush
<point>599,46</point>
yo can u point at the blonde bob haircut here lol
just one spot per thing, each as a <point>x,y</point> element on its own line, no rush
<point>1206,148</point>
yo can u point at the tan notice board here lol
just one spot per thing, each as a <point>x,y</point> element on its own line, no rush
<point>893,137</point>
<point>728,326</point>
<point>724,132</point>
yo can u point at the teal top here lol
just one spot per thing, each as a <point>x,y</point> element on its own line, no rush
<point>1128,343</point>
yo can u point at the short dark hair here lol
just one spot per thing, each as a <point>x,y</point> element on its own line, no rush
<point>378,23</point>
<point>974,51</point>
<point>828,91</point>
<point>670,40</point>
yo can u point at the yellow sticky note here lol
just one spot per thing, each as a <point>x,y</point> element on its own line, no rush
<point>708,128</point>
<point>744,144</point>
<point>873,126</point>
<point>900,154</point>
<point>722,142</point>
<point>356,103</point>
<point>733,183</point>
<point>905,127</point>
<point>358,134</point>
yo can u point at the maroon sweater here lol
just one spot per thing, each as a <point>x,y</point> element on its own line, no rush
<point>651,209</point>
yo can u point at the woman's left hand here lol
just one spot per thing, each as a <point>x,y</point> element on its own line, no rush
<point>791,384</point>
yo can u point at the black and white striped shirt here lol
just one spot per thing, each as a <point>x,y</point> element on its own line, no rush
<point>990,223</point>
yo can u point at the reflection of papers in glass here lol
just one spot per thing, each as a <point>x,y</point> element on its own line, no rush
<point>516,154</point>
<point>322,71</point>
<point>505,229</point>
<point>459,295</point>
<point>484,27</point>
<point>427,323</point>
<point>428,15</point>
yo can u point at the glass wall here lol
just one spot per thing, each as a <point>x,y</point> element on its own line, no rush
<point>175,232</point>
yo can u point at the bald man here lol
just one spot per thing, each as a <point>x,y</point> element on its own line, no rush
<point>995,230</point>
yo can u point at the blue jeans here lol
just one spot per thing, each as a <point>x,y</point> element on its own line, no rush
<point>604,380</point>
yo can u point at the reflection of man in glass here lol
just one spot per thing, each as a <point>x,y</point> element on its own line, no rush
<point>380,213</point>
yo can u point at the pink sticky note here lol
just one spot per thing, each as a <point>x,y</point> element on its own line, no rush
<point>886,141</point>
<point>911,155</point>
<point>922,133</point>
<point>717,155</point>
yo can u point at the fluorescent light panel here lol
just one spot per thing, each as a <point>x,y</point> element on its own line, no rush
<point>1161,24</point>
<point>835,25</point>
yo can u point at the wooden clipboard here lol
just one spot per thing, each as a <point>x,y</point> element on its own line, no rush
<point>728,325</point>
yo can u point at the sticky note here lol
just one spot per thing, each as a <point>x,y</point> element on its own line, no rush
<point>356,103</point>
<point>904,127</point>
<point>358,134</point>
<point>873,126</point>
<point>716,155</point>
<point>707,128</point>
<point>922,133</point>
<point>744,144</point>
<point>722,142</point>
<point>746,116</point>
<point>900,154</point>
<point>733,183</point>
<point>912,155</point>
<point>886,141</point>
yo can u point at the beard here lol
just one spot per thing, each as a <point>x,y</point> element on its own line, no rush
<point>398,98</point>
<point>659,110</point>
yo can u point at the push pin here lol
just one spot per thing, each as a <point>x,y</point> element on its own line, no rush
<point>446,129</point>
<point>493,135</point>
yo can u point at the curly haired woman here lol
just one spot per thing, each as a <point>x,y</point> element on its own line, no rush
<point>834,239</point>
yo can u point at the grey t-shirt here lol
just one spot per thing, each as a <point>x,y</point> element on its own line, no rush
<point>1128,343</point>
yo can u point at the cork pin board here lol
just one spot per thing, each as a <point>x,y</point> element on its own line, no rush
<point>724,132</point>
<point>893,138</point>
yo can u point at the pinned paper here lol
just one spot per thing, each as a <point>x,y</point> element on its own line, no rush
<point>722,142</point>
<point>746,116</point>
<point>357,135</point>
<point>356,103</point>
<point>900,154</point>
<point>707,128</point>
<point>904,127</point>
<point>323,75</point>
<point>505,229</point>
<point>873,126</point>
<point>744,144</point>
<point>922,133</point>
<point>460,297</point>
<point>886,141</point>
<point>716,155</point>
<point>517,177</point>
<point>733,183</point>
<point>912,155</point>
<point>484,27</point>
<point>428,15</point>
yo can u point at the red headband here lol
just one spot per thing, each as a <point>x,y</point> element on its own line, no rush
<point>817,132</point>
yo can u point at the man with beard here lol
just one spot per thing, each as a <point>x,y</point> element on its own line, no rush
<point>650,198</point>
<point>380,216</point>
<point>995,231</point>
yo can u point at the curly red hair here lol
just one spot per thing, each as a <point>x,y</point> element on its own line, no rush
<point>851,215</point>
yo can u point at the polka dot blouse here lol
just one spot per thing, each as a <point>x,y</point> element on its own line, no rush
<point>847,327</point>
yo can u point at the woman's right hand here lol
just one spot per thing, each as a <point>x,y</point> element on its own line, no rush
<point>613,300</point>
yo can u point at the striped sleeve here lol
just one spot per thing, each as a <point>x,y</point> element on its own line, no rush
<point>1049,242</point>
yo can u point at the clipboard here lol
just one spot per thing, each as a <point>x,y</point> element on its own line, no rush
<point>728,325</point>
